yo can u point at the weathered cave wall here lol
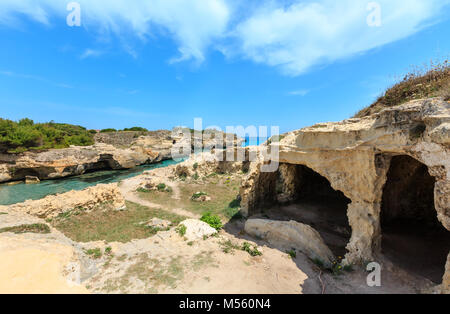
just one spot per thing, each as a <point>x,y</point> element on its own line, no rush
<point>355,156</point>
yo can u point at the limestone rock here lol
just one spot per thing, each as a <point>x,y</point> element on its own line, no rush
<point>159,223</point>
<point>355,156</point>
<point>445,287</point>
<point>31,180</point>
<point>196,229</point>
<point>88,199</point>
<point>291,234</point>
<point>200,197</point>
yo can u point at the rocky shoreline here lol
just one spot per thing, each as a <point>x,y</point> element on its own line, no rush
<point>112,151</point>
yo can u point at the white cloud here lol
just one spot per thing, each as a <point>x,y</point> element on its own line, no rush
<point>308,33</point>
<point>193,24</point>
<point>300,92</point>
<point>292,35</point>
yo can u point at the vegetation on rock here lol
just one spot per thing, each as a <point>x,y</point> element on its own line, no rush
<point>212,220</point>
<point>24,135</point>
<point>429,81</point>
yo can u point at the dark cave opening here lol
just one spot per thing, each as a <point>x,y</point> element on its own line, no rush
<point>412,236</point>
<point>310,199</point>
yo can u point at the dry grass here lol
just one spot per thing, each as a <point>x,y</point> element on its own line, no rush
<point>111,225</point>
<point>429,81</point>
<point>34,228</point>
<point>222,189</point>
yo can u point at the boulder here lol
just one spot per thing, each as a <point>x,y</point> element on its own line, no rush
<point>159,223</point>
<point>291,235</point>
<point>31,180</point>
<point>197,230</point>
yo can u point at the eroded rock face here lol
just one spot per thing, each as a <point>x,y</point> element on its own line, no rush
<point>445,288</point>
<point>292,235</point>
<point>204,164</point>
<point>59,163</point>
<point>88,199</point>
<point>355,156</point>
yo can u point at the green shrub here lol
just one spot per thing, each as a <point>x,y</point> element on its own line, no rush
<point>195,166</point>
<point>233,213</point>
<point>161,187</point>
<point>292,253</point>
<point>17,137</point>
<point>108,130</point>
<point>212,220</point>
<point>198,195</point>
<point>136,129</point>
<point>181,230</point>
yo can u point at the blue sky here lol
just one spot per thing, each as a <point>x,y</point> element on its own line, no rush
<point>160,64</point>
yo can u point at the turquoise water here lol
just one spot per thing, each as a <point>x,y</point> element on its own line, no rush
<point>253,141</point>
<point>11,194</point>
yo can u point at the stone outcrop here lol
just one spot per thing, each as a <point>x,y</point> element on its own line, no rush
<point>59,163</point>
<point>197,230</point>
<point>291,235</point>
<point>204,164</point>
<point>355,156</point>
<point>86,200</point>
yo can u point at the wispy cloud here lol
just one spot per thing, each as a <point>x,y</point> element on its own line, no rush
<point>35,78</point>
<point>88,53</point>
<point>300,92</point>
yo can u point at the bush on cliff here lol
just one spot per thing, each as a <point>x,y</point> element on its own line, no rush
<point>108,130</point>
<point>16,137</point>
<point>429,81</point>
<point>136,129</point>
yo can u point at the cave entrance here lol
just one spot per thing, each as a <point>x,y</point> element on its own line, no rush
<point>412,236</point>
<point>305,196</point>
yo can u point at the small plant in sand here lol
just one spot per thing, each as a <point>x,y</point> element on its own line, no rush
<point>252,251</point>
<point>228,246</point>
<point>95,253</point>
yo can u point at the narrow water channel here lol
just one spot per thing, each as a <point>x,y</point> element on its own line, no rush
<point>11,194</point>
